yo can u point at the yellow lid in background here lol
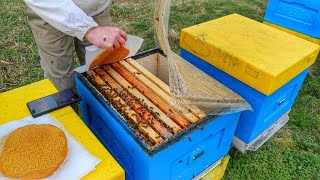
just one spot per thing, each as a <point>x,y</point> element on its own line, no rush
<point>304,36</point>
<point>260,56</point>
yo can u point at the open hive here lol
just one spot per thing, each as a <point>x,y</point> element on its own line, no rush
<point>126,105</point>
<point>141,98</point>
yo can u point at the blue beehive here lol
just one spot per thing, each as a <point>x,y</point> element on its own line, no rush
<point>262,64</point>
<point>184,156</point>
<point>266,109</point>
<point>299,15</point>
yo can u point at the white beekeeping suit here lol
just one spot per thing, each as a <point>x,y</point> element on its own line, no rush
<point>72,17</point>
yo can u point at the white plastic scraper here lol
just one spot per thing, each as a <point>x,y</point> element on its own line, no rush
<point>96,56</point>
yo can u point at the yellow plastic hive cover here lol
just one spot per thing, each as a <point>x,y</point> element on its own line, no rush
<point>306,37</point>
<point>260,56</point>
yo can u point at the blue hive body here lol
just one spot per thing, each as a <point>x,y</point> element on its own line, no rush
<point>267,109</point>
<point>299,15</point>
<point>183,157</point>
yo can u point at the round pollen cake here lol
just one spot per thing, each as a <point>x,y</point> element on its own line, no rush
<point>33,152</point>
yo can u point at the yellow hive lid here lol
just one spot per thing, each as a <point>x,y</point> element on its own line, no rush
<point>303,36</point>
<point>260,56</point>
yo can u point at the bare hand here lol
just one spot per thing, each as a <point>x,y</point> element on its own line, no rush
<point>106,37</point>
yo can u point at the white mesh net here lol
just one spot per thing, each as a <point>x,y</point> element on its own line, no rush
<point>190,86</point>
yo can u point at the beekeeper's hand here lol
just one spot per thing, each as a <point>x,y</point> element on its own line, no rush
<point>106,37</point>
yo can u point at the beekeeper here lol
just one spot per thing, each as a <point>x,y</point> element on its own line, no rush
<point>58,25</point>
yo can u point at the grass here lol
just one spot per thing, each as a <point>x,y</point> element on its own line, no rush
<point>293,153</point>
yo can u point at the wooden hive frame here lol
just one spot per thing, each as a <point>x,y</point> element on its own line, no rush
<point>143,100</point>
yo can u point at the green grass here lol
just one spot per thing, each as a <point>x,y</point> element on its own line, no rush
<point>293,153</point>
